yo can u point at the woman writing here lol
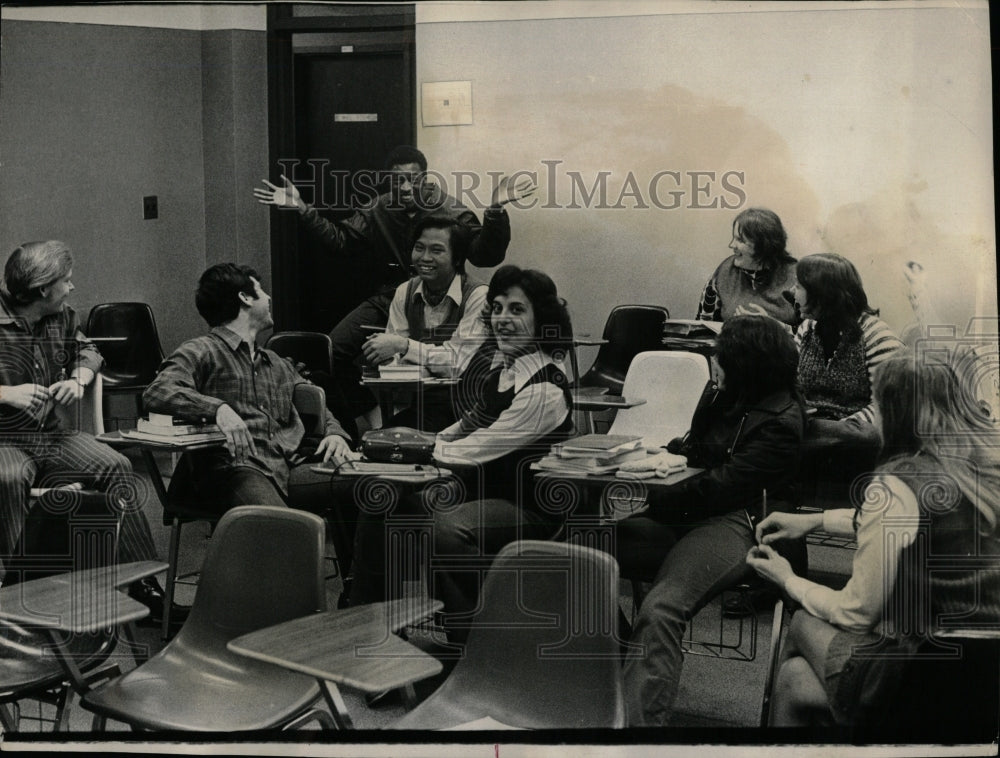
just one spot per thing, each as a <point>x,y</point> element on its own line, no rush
<point>937,492</point>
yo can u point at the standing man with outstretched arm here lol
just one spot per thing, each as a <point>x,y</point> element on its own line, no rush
<point>383,234</point>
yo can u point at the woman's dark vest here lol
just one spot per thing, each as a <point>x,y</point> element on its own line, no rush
<point>839,386</point>
<point>510,476</point>
<point>950,575</point>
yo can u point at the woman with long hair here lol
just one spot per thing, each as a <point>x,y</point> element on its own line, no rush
<point>841,344</point>
<point>746,433</point>
<point>753,279</point>
<point>936,493</point>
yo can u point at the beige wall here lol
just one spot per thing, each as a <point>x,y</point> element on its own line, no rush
<point>94,117</point>
<point>867,130</point>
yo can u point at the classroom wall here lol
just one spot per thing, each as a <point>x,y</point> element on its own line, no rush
<point>95,117</point>
<point>868,130</point>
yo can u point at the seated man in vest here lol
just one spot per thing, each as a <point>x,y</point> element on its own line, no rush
<point>435,320</point>
<point>46,361</point>
<point>247,390</point>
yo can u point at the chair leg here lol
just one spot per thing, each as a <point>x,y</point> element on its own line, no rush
<point>63,701</point>
<point>321,717</point>
<point>8,720</point>
<point>777,624</point>
<point>335,702</point>
<point>99,723</point>
<point>168,591</point>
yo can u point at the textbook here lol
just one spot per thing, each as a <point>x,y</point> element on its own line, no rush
<point>177,427</point>
<point>403,372</point>
<point>604,445</point>
<point>589,465</point>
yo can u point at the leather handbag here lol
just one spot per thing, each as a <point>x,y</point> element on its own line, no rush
<point>398,444</point>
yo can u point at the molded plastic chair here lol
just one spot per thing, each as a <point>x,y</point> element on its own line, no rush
<point>184,504</point>
<point>314,349</point>
<point>264,566</point>
<point>629,330</point>
<point>130,365</point>
<point>671,383</point>
<point>543,653</point>
<point>59,522</point>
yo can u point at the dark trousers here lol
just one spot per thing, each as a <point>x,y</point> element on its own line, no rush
<point>466,540</point>
<point>307,490</point>
<point>54,460</point>
<point>348,338</point>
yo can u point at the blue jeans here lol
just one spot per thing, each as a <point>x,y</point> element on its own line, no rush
<point>695,563</point>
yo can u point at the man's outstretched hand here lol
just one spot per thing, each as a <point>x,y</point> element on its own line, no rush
<point>505,192</point>
<point>284,197</point>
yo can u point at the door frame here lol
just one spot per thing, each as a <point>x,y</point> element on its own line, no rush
<point>363,29</point>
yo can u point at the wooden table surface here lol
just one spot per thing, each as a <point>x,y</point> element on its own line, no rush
<point>352,646</point>
<point>82,601</point>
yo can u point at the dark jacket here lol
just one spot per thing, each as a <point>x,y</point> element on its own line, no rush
<point>383,235</point>
<point>744,449</point>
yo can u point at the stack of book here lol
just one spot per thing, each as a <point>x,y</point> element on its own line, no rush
<point>593,454</point>
<point>160,427</point>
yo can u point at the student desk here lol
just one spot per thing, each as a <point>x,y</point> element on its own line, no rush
<point>356,647</point>
<point>147,447</point>
<point>619,498</point>
<point>69,604</point>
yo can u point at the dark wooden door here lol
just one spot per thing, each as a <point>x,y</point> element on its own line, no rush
<point>351,111</point>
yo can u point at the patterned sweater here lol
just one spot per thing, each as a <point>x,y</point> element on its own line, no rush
<point>841,387</point>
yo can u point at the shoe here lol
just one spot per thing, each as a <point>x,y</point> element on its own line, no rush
<point>150,594</point>
<point>748,603</point>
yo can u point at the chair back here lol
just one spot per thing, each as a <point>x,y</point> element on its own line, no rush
<point>310,402</point>
<point>671,383</point>
<point>314,349</point>
<point>630,329</point>
<point>263,566</point>
<point>543,653</point>
<point>132,363</point>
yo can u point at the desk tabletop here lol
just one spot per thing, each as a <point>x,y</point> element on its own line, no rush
<point>590,402</point>
<point>353,646</point>
<point>654,482</point>
<point>390,383</point>
<point>81,601</point>
<point>118,440</point>
<point>402,472</point>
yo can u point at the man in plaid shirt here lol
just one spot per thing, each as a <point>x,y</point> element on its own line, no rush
<point>223,377</point>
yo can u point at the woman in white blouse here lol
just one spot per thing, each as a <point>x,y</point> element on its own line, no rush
<point>517,391</point>
<point>936,492</point>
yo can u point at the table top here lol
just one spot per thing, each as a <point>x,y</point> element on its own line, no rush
<point>655,482</point>
<point>427,381</point>
<point>352,646</point>
<point>107,339</point>
<point>81,601</point>
<point>117,440</point>
<point>591,402</point>
<point>404,472</point>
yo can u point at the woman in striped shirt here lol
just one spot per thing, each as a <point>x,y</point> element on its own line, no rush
<point>841,343</point>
